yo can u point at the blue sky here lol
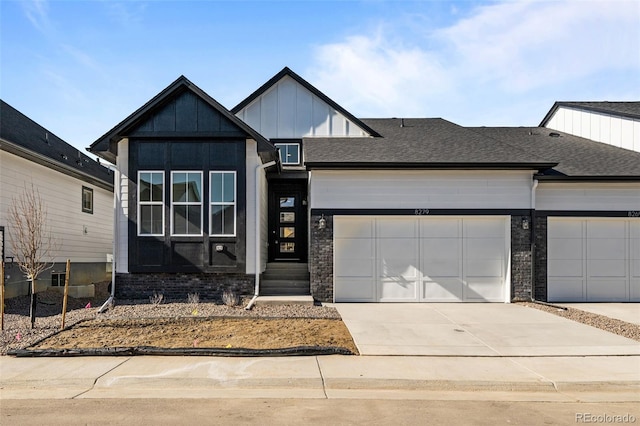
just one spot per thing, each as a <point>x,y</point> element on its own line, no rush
<point>80,67</point>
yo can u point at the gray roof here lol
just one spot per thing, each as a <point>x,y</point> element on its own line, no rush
<point>576,157</point>
<point>622,109</point>
<point>24,137</point>
<point>424,143</point>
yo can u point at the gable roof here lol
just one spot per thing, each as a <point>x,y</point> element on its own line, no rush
<point>578,158</point>
<point>25,138</point>
<point>621,109</point>
<point>419,143</point>
<point>106,145</point>
<point>288,72</point>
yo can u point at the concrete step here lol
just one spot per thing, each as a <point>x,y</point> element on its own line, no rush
<point>285,300</point>
<point>284,283</point>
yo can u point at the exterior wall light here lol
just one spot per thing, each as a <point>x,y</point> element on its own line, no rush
<point>525,223</point>
<point>322,223</point>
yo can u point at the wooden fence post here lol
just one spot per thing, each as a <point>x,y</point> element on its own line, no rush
<point>66,293</point>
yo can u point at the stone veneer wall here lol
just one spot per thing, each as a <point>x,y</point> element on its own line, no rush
<point>176,287</point>
<point>520,259</point>
<point>321,259</point>
<point>540,291</point>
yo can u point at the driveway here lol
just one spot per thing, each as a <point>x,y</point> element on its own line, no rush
<point>629,312</point>
<point>474,329</point>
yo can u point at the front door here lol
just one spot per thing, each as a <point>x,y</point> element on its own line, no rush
<point>287,223</point>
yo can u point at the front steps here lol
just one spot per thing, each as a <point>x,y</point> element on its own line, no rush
<point>285,279</point>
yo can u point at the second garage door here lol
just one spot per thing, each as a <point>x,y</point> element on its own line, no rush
<point>421,259</point>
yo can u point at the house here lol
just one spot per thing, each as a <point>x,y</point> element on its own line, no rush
<point>289,193</point>
<point>78,195</point>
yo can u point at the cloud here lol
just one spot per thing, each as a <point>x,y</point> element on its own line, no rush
<point>503,53</point>
<point>37,12</point>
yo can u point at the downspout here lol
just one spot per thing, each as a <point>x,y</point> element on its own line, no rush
<point>116,197</point>
<point>258,254</point>
<point>533,238</point>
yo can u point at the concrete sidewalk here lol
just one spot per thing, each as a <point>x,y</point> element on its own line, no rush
<point>603,378</point>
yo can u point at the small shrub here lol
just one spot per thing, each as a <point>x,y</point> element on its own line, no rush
<point>230,298</point>
<point>193,298</point>
<point>156,298</point>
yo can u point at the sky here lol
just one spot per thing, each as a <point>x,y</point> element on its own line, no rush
<point>78,68</point>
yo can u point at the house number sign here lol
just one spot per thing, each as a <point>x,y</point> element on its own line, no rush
<point>421,212</point>
<point>632,213</point>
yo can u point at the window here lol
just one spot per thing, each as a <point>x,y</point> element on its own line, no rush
<point>57,279</point>
<point>151,203</point>
<point>186,203</point>
<point>289,153</point>
<point>222,215</point>
<point>87,200</point>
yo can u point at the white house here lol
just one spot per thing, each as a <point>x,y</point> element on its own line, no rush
<point>364,210</point>
<point>77,193</point>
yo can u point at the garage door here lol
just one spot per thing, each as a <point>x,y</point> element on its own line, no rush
<point>593,260</point>
<point>420,259</point>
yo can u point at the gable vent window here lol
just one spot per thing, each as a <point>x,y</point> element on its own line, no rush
<point>151,203</point>
<point>289,153</point>
<point>87,200</point>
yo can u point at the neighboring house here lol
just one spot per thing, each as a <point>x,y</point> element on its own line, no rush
<point>78,197</point>
<point>369,210</point>
<point>613,123</point>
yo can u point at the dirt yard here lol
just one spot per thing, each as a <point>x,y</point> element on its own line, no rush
<point>172,325</point>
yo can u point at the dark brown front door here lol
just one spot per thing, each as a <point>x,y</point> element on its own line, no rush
<point>287,223</point>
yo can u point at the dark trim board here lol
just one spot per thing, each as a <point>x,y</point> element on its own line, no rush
<point>421,211</point>
<point>588,213</point>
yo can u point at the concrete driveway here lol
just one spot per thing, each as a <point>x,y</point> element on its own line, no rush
<point>474,329</point>
<point>629,312</point>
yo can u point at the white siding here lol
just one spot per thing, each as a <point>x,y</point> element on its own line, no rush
<point>610,129</point>
<point>588,196</point>
<point>253,161</point>
<point>121,189</point>
<point>80,236</point>
<point>289,110</point>
<point>420,189</point>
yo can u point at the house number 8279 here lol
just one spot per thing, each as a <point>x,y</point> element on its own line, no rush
<point>632,213</point>
<point>421,212</point>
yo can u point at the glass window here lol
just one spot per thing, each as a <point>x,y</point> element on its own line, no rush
<point>87,200</point>
<point>287,201</point>
<point>289,153</point>
<point>150,203</point>
<point>186,203</point>
<point>222,216</point>
<point>287,232</point>
<point>287,217</point>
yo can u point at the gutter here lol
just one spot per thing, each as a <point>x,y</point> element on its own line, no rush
<point>258,254</point>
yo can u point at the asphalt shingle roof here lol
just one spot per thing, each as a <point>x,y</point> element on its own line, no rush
<point>429,142</point>
<point>28,138</point>
<point>576,156</point>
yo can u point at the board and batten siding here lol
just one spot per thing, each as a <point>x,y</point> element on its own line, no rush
<point>81,237</point>
<point>588,196</point>
<point>121,188</point>
<point>606,128</point>
<point>289,110</point>
<point>431,189</point>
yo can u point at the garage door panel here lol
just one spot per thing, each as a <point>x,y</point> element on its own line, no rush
<point>600,290</point>
<point>441,257</point>
<point>442,290</point>
<point>357,258</point>
<point>396,228</point>
<point>483,268</point>
<point>607,248</point>
<point>571,248</point>
<point>479,228</point>
<point>398,290</point>
<point>440,268</point>
<point>565,268</point>
<point>484,248</point>
<point>440,228</point>
<point>353,228</point>
<point>398,258</point>
<point>484,289</point>
<point>565,229</point>
<point>566,290</point>
<point>606,229</point>
<point>607,268</point>
<point>635,290</point>
<point>355,290</point>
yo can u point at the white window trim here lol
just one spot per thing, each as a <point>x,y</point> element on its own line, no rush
<point>190,203</point>
<point>150,203</point>
<point>223,203</point>
<point>280,145</point>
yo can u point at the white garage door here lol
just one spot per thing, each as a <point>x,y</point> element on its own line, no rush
<point>420,259</point>
<point>593,260</point>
